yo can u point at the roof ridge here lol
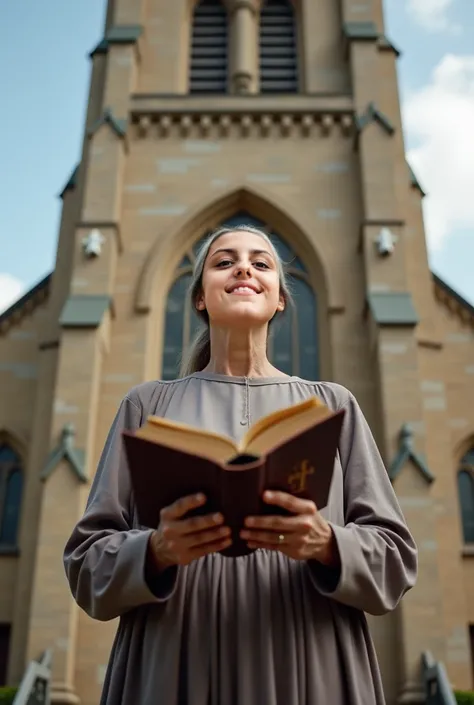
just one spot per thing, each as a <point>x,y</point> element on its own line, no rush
<point>36,295</point>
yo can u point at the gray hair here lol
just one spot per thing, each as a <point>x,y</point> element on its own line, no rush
<point>199,353</point>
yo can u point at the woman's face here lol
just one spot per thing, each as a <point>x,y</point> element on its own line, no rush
<point>240,285</point>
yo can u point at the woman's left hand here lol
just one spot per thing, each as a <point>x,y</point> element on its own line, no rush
<point>304,536</point>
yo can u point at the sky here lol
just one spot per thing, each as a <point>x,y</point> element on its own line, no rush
<point>44,78</point>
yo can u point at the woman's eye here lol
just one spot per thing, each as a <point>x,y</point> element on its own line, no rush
<point>224,263</point>
<point>262,265</point>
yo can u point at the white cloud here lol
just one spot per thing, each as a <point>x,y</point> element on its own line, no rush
<point>11,289</point>
<point>432,15</point>
<point>439,120</point>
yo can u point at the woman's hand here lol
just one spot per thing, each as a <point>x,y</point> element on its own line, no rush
<point>179,541</point>
<point>304,536</point>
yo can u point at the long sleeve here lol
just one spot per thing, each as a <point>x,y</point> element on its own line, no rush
<point>105,558</point>
<point>378,556</point>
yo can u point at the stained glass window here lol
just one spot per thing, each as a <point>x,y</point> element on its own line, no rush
<point>293,343</point>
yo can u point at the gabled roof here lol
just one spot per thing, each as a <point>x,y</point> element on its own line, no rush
<point>26,304</point>
<point>446,294</point>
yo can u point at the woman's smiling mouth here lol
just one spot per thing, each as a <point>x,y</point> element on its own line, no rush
<point>244,291</point>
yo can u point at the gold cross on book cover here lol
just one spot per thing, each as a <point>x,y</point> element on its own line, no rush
<point>292,450</point>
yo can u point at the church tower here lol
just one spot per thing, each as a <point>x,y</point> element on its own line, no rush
<point>276,112</point>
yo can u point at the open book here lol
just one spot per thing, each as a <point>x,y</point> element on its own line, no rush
<point>292,449</point>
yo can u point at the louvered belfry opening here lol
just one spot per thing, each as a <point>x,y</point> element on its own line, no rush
<point>278,48</point>
<point>209,46</point>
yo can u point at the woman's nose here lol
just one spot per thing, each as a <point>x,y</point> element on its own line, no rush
<point>242,270</point>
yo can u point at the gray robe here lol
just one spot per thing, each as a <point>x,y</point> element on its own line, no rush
<point>261,629</point>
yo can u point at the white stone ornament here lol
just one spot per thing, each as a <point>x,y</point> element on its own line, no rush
<point>92,244</point>
<point>385,241</point>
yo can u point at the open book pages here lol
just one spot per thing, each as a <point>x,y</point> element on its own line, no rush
<point>267,433</point>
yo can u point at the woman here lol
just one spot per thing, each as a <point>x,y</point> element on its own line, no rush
<point>285,624</point>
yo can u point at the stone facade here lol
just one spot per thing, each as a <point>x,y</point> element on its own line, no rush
<point>324,167</point>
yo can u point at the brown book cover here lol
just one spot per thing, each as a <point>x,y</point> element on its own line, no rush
<point>292,450</point>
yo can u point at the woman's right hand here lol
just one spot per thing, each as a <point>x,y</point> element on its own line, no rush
<point>179,541</point>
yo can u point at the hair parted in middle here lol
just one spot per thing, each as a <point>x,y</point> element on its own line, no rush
<point>199,353</point>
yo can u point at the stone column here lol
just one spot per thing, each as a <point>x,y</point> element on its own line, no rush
<point>392,323</point>
<point>54,615</point>
<point>243,64</point>
<point>84,333</point>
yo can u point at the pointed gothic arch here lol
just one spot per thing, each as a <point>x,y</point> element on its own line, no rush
<point>160,263</point>
<point>293,344</point>
<point>167,250</point>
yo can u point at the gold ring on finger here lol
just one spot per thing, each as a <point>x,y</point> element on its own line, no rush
<point>281,538</point>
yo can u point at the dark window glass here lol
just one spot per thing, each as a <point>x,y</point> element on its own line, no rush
<point>278,48</point>
<point>281,342</point>
<point>8,456</point>
<point>308,353</point>
<point>293,343</point>
<point>209,42</point>
<point>11,485</point>
<point>4,649</point>
<point>11,508</point>
<point>174,327</point>
<point>466,500</point>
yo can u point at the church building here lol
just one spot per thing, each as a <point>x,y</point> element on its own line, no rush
<point>281,113</point>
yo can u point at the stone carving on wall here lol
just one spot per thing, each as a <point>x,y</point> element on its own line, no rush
<point>92,244</point>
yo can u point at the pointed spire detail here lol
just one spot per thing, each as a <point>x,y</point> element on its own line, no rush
<point>65,450</point>
<point>406,452</point>
<point>108,118</point>
<point>373,114</point>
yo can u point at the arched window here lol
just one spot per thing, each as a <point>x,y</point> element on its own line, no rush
<point>209,47</point>
<point>293,344</point>
<point>278,47</point>
<point>11,483</point>
<point>466,496</point>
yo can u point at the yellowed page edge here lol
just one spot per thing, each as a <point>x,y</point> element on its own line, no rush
<point>278,415</point>
<point>192,430</point>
